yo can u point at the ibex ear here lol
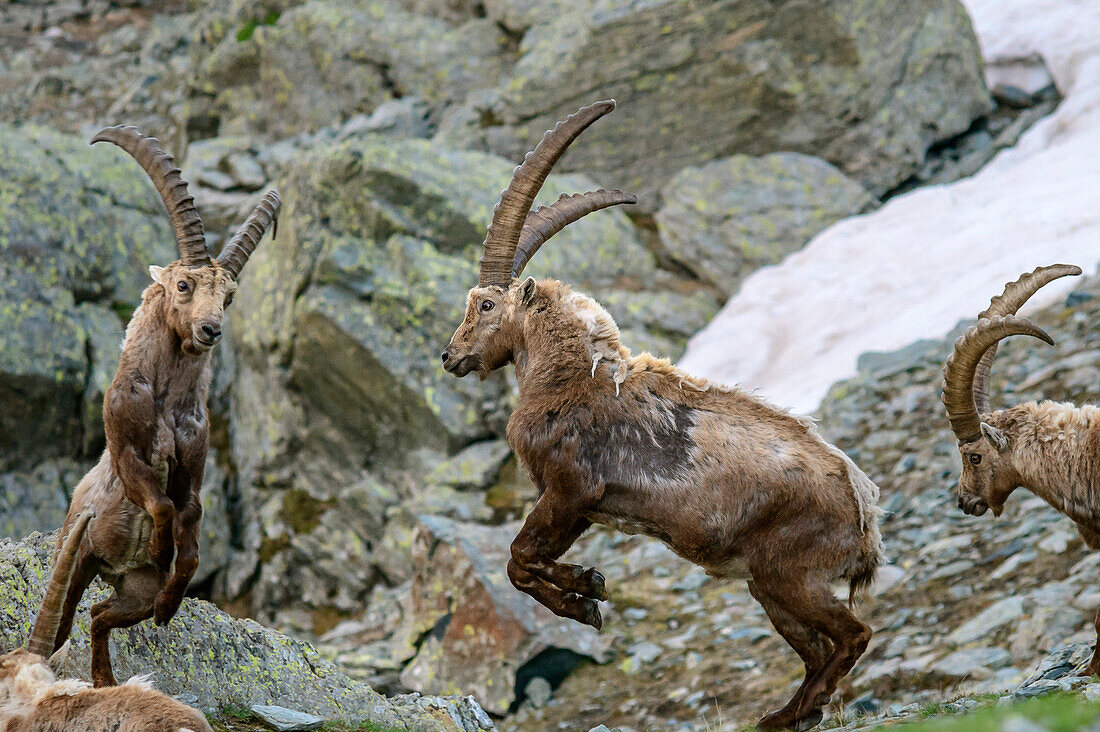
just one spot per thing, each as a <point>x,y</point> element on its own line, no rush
<point>58,658</point>
<point>994,437</point>
<point>527,291</point>
<point>155,273</point>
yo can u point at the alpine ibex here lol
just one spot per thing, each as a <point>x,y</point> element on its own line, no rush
<point>33,699</point>
<point>145,488</point>
<point>1051,449</point>
<point>725,479</point>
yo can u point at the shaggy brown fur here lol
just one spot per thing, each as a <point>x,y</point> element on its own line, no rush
<point>726,480</point>
<point>33,699</point>
<point>144,491</point>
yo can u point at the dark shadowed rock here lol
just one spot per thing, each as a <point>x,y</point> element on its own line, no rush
<point>477,630</point>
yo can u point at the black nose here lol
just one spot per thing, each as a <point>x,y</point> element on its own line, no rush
<point>211,332</point>
<point>444,356</point>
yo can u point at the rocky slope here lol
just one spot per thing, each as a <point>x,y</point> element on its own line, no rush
<point>355,496</point>
<point>215,663</point>
<point>966,605</point>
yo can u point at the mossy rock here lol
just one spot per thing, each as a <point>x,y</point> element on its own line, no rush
<point>725,219</point>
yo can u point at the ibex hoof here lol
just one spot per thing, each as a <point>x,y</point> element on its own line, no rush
<point>590,613</point>
<point>596,587</point>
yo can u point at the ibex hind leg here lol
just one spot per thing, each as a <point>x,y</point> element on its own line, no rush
<point>813,648</point>
<point>810,602</point>
<point>132,602</point>
<point>1092,539</point>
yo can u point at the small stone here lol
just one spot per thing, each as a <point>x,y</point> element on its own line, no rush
<point>1039,688</point>
<point>1056,542</point>
<point>600,728</point>
<point>1091,692</point>
<point>972,662</point>
<point>1017,723</point>
<point>998,614</point>
<point>246,172</point>
<point>286,720</point>
<point>539,692</point>
<point>645,652</point>
<point>887,577</point>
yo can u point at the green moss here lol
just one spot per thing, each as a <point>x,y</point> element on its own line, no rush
<point>1055,712</point>
<point>249,28</point>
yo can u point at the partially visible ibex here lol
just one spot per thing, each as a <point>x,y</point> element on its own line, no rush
<point>33,699</point>
<point>726,480</point>
<point>1051,449</point>
<point>145,488</point>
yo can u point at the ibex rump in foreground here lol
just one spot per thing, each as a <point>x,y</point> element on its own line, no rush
<point>727,481</point>
<point>145,488</point>
<point>33,699</point>
<point>1051,449</point>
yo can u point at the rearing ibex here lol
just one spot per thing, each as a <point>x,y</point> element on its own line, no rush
<point>145,488</point>
<point>726,480</point>
<point>1051,449</point>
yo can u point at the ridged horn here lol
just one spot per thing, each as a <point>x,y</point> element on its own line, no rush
<point>515,202</point>
<point>172,188</point>
<point>1007,303</point>
<point>49,614</point>
<point>235,254</point>
<point>545,221</point>
<point>958,372</point>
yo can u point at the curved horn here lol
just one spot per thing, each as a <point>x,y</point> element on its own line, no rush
<point>545,221</point>
<point>240,247</point>
<point>515,202</point>
<point>958,372</point>
<point>171,187</point>
<point>49,614</point>
<point>1007,303</point>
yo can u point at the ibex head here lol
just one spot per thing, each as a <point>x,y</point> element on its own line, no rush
<point>197,289</point>
<point>494,309</point>
<point>989,473</point>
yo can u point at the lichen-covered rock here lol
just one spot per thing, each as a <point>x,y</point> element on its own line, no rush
<point>476,631</point>
<point>727,218</point>
<point>316,64</point>
<point>76,225</point>
<point>216,662</point>
<point>865,85</point>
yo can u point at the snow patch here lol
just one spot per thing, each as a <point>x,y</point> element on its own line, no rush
<point>930,258</point>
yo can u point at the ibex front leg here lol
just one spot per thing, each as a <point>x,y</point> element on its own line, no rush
<point>143,486</point>
<point>556,521</point>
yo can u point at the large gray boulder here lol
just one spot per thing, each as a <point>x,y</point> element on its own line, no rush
<point>727,218</point>
<point>215,662</point>
<point>868,86</point>
<point>316,63</point>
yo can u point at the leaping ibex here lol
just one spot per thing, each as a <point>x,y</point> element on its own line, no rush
<point>725,479</point>
<point>145,488</point>
<point>1051,449</point>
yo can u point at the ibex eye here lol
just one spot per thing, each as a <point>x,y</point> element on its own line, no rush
<point>486,306</point>
<point>181,286</point>
<point>975,459</point>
